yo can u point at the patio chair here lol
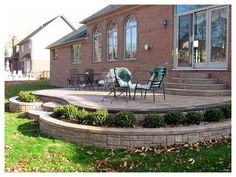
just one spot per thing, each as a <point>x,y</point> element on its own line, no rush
<point>73,81</point>
<point>122,81</point>
<point>109,82</point>
<point>156,82</point>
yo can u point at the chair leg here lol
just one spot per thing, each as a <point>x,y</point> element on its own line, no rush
<point>134,94</point>
<point>141,93</point>
<point>145,94</point>
<point>154,99</point>
<point>164,93</point>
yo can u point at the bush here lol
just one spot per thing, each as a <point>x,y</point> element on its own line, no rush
<point>100,117</point>
<point>25,96</point>
<point>68,111</point>
<point>194,117</point>
<point>226,109</point>
<point>214,114</point>
<point>174,118</point>
<point>124,119</point>
<point>154,121</point>
<point>82,113</point>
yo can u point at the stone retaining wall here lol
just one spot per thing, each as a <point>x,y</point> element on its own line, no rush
<point>129,137</point>
<point>17,106</point>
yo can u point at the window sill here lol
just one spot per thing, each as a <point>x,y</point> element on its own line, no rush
<point>112,60</point>
<point>129,59</point>
<point>97,61</point>
<point>74,63</point>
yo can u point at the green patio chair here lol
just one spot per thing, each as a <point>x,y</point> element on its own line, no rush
<point>156,82</point>
<point>122,81</point>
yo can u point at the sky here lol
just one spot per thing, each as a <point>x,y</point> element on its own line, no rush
<point>24,16</point>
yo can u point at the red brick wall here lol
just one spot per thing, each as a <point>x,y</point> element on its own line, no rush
<point>150,31</point>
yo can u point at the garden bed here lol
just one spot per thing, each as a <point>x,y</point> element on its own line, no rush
<point>129,137</point>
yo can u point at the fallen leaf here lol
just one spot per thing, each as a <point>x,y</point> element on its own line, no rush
<point>89,152</point>
<point>109,170</point>
<point>125,164</point>
<point>191,161</point>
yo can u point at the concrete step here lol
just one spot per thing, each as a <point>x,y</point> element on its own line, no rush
<point>188,92</point>
<point>195,80</point>
<point>195,86</point>
<point>49,106</point>
<point>193,75</point>
<point>34,114</point>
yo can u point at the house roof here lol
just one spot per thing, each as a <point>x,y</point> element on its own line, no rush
<point>43,26</point>
<point>76,35</point>
<point>107,9</point>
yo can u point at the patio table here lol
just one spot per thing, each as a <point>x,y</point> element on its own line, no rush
<point>86,79</point>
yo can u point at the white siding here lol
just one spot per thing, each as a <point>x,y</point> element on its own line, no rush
<point>52,32</point>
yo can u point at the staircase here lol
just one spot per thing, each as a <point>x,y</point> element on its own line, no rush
<point>196,84</point>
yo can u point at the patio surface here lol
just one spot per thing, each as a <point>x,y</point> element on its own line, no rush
<point>92,100</point>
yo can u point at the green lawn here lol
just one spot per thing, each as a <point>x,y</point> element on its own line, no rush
<point>26,150</point>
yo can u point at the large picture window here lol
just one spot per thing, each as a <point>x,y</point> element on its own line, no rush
<point>112,41</point>
<point>130,38</point>
<point>97,45</point>
<point>76,49</point>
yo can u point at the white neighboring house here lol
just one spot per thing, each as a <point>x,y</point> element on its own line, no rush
<point>33,56</point>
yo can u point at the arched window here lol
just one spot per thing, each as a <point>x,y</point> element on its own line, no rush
<point>97,45</point>
<point>112,41</point>
<point>130,38</point>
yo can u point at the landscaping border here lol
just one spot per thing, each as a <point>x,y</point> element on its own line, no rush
<point>17,106</point>
<point>129,137</point>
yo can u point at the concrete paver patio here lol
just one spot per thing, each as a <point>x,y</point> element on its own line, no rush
<point>92,100</point>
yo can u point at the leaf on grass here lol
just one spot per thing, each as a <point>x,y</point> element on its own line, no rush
<point>125,164</point>
<point>191,161</point>
<point>127,157</point>
<point>99,163</point>
<point>109,170</point>
<point>89,152</point>
<point>157,151</point>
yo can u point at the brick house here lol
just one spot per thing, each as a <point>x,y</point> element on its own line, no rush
<point>33,55</point>
<point>189,39</point>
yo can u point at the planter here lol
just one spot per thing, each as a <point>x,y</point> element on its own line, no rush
<point>129,137</point>
<point>17,106</point>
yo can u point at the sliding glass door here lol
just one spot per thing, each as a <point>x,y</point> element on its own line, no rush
<point>184,43</point>
<point>201,38</point>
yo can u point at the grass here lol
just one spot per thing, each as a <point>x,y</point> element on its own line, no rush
<point>14,88</point>
<point>27,150</point>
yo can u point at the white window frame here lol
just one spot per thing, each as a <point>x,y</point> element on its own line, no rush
<point>209,65</point>
<point>112,33</point>
<point>98,35</point>
<point>130,27</point>
<point>78,47</point>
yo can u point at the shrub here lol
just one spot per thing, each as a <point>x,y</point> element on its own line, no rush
<point>100,117</point>
<point>226,109</point>
<point>124,119</point>
<point>154,121</point>
<point>81,115</point>
<point>174,118</point>
<point>66,111</point>
<point>194,117</point>
<point>25,96</point>
<point>214,114</point>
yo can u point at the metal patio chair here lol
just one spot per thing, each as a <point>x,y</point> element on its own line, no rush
<point>155,83</point>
